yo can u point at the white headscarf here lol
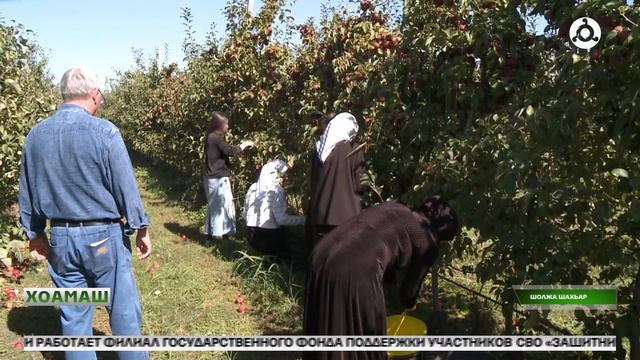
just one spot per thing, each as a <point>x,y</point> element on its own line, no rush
<point>265,204</point>
<point>268,180</point>
<point>342,127</point>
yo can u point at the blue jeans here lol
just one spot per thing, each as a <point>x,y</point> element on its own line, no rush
<point>96,256</point>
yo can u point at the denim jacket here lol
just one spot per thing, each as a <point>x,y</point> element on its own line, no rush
<point>75,167</point>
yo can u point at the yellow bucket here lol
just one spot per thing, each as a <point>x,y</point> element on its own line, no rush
<point>404,325</point>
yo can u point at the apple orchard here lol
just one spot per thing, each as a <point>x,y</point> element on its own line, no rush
<point>535,141</point>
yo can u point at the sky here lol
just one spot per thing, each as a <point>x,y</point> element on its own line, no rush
<point>101,34</point>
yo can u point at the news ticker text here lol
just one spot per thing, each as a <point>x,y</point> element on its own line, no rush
<point>319,343</point>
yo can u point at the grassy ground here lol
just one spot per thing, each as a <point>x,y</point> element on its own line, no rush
<point>185,289</point>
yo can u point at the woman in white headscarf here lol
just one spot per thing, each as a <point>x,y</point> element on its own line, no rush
<point>336,172</point>
<point>265,209</point>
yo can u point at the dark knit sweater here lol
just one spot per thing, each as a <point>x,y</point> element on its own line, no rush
<point>216,154</point>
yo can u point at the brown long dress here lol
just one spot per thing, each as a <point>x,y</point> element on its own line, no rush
<point>344,291</point>
<point>335,188</point>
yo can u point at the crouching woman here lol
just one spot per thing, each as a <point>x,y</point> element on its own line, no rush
<point>265,209</point>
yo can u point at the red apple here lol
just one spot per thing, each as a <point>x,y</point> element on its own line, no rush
<point>618,28</point>
<point>18,345</point>
<point>242,308</point>
<point>365,5</point>
<point>16,274</point>
<point>376,17</point>
<point>240,299</point>
<point>183,237</point>
<point>10,294</point>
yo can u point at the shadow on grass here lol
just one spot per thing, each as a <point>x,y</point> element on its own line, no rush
<point>186,191</point>
<point>226,248</point>
<point>177,186</point>
<point>43,321</point>
<point>192,233</point>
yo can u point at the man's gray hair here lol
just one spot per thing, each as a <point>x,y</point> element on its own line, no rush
<point>78,82</point>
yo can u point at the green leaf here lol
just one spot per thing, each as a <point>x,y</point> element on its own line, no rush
<point>603,210</point>
<point>532,320</point>
<point>576,58</point>
<point>626,326</point>
<point>634,211</point>
<point>13,84</point>
<point>17,244</point>
<point>620,173</point>
<point>429,40</point>
<point>530,111</point>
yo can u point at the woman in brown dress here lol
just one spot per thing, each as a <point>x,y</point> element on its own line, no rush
<point>336,170</point>
<point>344,287</point>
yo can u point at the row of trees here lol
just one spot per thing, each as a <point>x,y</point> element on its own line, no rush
<point>26,96</point>
<point>535,141</point>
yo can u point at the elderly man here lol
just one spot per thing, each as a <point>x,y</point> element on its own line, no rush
<point>76,173</point>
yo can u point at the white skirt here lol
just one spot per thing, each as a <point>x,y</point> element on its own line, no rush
<point>221,213</point>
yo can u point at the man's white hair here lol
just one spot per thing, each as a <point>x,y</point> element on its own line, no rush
<point>78,82</point>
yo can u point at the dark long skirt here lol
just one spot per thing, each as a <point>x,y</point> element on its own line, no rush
<point>273,242</point>
<point>345,305</point>
<point>317,232</point>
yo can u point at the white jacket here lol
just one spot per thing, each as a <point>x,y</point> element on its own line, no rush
<point>265,204</point>
<point>269,210</point>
